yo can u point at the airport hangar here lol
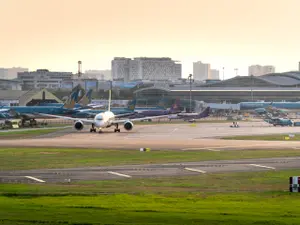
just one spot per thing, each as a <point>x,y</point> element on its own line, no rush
<point>26,98</point>
<point>270,87</point>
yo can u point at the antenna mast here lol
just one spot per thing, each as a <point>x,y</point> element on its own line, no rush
<point>79,69</point>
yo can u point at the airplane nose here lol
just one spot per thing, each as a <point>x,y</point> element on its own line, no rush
<point>99,124</point>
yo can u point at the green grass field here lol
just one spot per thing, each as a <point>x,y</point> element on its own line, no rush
<point>14,134</point>
<point>271,137</point>
<point>35,158</point>
<point>250,198</point>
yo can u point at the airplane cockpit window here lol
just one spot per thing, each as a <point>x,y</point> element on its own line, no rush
<point>99,117</point>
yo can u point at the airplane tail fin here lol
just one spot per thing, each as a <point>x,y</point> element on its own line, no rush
<point>70,103</point>
<point>204,113</point>
<point>175,108</point>
<point>131,105</point>
<point>14,113</point>
<point>86,99</point>
<point>268,116</point>
<point>270,106</point>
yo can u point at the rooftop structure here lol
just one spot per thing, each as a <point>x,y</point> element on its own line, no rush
<point>271,87</point>
<point>43,79</point>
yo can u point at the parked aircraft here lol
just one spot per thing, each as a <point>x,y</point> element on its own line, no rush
<point>271,110</point>
<point>160,106</point>
<point>31,112</point>
<point>191,117</point>
<point>156,112</point>
<point>103,120</point>
<point>88,113</point>
<point>278,121</point>
<point>291,106</point>
<point>82,103</point>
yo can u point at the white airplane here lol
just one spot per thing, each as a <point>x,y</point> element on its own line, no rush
<point>103,120</point>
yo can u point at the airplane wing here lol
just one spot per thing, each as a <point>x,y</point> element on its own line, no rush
<point>68,118</point>
<point>124,114</point>
<point>142,118</point>
<point>93,106</point>
<point>88,107</point>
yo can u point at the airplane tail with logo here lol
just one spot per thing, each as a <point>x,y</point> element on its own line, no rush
<point>73,98</point>
<point>269,116</point>
<point>204,113</point>
<point>131,105</point>
<point>175,108</point>
<point>86,99</point>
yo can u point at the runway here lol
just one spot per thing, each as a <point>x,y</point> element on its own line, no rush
<point>202,136</point>
<point>147,171</point>
<point>165,137</point>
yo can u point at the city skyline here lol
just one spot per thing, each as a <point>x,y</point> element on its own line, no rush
<point>231,34</point>
<point>219,70</point>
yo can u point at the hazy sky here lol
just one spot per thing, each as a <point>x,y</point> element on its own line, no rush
<point>231,33</point>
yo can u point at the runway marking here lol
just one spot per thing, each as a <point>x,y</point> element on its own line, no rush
<point>194,170</point>
<point>173,130</point>
<point>214,150</point>
<point>233,146</point>
<point>268,167</point>
<point>36,179</point>
<point>119,174</point>
<point>209,149</point>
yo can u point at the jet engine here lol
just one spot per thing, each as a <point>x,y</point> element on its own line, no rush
<point>128,125</point>
<point>78,125</point>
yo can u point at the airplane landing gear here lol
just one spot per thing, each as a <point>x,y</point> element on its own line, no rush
<point>93,129</point>
<point>117,128</point>
<point>100,131</point>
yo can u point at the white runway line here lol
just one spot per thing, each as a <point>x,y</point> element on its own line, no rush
<point>194,170</point>
<point>209,149</point>
<point>36,179</point>
<point>173,130</point>
<point>214,150</point>
<point>262,166</point>
<point>119,174</point>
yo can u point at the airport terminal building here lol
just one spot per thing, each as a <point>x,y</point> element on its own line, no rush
<point>270,87</point>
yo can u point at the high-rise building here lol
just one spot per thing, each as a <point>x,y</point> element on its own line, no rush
<point>43,79</point>
<point>214,74</point>
<point>120,68</point>
<point>143,68</point>
<point>11,73</point>
<point>258,70</point>
<point>201,71</point>
<point>178,71</point>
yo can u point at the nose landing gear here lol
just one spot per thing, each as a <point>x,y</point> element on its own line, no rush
<point>93,129</point>
<point>117,128</point>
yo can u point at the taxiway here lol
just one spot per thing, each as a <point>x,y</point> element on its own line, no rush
<point>201,136</point>
<point>147,171</point>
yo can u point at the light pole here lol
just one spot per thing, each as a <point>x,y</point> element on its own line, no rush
<point>236,71</point>
<point>252,87</point>
<point>190,79</point>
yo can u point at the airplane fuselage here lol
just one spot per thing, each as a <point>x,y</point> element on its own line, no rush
<point>39,109</point>
<point>103,120</point>
<point>278,105</point>
<point>280,122</point>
